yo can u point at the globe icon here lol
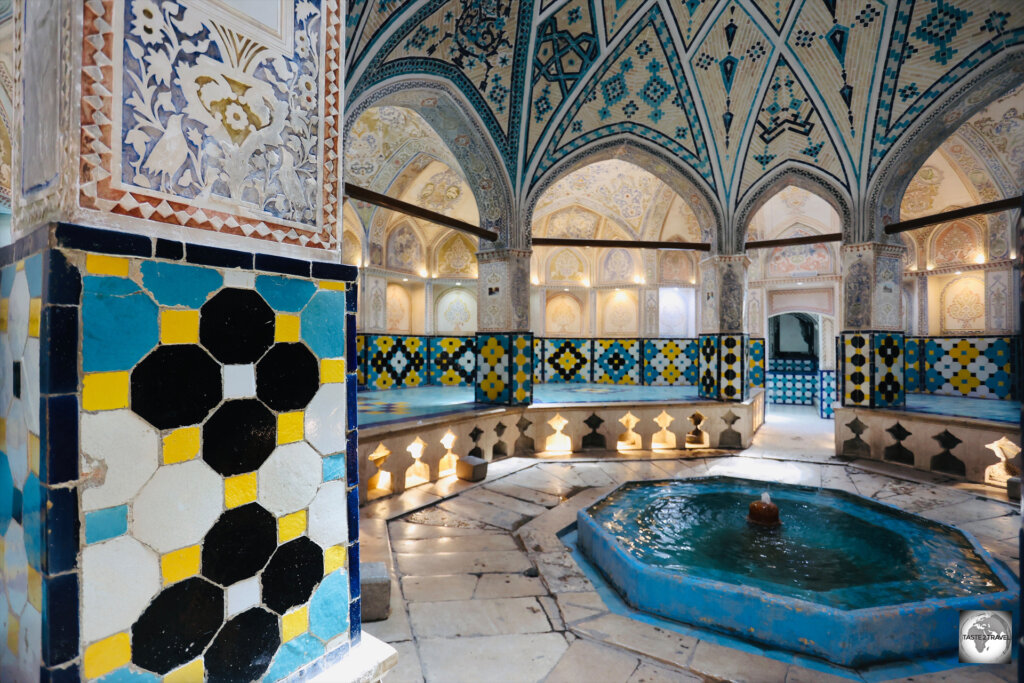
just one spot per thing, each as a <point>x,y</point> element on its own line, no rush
<point>985,637</point>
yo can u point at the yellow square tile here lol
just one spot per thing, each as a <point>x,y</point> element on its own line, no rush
<point>332,370</point>
<point>35,308</point>
<point>240,490</point>
<point>179,327</point>
<point>193,672</point>
<point>33,453</point>
<point>290,427</point>
<point>334,558</point>
<point>108,654</point>
<point>180,564</point>
<point>286,328</point>
<point>294,624</point>
<point>100,264</point>
<point>106,390</point>
<point>291,526</point>
<point>35,589</point>
<point>3,430</point>
<point>5,305</point>
<point>181,445</point>
<point>12,632</point>
<point>331,284</point>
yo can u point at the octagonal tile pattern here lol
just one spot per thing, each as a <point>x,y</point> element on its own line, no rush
<point>229,422</point>
<point>22,496</point>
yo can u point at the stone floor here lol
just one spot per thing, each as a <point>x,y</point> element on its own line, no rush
<point>463,609</point>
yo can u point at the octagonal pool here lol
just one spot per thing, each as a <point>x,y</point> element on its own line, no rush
<point>845,578</point>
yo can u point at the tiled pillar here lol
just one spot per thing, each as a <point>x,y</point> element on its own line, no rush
<point>504,344</point>
<point>723,364</point>
<point>871,345</point>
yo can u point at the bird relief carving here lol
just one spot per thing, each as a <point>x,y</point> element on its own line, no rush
<point>208,112</point>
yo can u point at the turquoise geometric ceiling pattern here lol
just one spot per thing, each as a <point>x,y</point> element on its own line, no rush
<point>728,90</point>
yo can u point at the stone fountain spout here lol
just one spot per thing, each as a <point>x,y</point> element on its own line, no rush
<point>764,512</point>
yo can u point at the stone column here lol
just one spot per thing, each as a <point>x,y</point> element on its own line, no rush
<point>722,360</point>
<point>871,344</point>
<point>504,343</point>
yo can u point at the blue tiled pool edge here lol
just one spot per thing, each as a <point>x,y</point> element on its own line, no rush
<point>907,631</point>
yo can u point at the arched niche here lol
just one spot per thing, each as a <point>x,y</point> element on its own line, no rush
<point>799,260</point>
<point>616,266</point>
<point>962,306</point>
<point>399,309</point>
<point>957,243</point>
<point>676,266</point>
<point>455,312</point>
<point>619,313</point>
<point>455,256</point>
<point>563,315</point>
<point>405,252</point>
<point>567,266</point>
<point>351,249</point>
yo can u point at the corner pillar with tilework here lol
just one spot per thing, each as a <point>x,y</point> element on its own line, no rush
<point>504,345</point>
<point>723,355</point>
<point>870,348</point>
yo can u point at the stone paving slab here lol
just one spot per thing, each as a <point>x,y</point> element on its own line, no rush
<point>508,586</point>
<point>482,512</point>
<point>519,507</point>
<point>735,665</point>
<point>588,661</point>
<point>649,673</point>
<point>523,658</point>
<point>524,493</point>
<point>502,561</point>
<point>456,544</point>
<point>469,618</point>
<point>674,649</point>
<point>439,587</point>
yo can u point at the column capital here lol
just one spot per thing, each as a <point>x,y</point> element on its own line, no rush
<point>872,283</point>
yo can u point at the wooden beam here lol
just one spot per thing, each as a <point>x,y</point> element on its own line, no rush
<point>361,194</point>
<point>954,214</point>
<point>625,244</point>
<point>792,241</point>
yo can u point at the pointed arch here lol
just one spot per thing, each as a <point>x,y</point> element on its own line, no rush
<point>453,255</point>
<point>921,137</point>
<point>680,178</point>
<point>445,109</point>
<point>799,175</point>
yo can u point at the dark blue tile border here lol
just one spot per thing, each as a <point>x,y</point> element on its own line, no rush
<point>172,251</point>
<point>215,256</point>
<point>60,614</point>
<point>283,265</point>
<point>72,236</point>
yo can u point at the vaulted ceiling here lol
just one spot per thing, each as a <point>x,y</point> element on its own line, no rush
<point>728,92</point>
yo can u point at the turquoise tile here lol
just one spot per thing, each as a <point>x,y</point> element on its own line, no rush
<point>126,675</point>
<point>328,608</point>
<point>285,293</point>
<point>107,523</point>
<point>6,493</point>
<point>323,324</point>
<point>175,284</point>
<point>119,324</point>
<point>294,654</point>
<point>34,274</point>
<point>334,467</point>
<point>33,499</point>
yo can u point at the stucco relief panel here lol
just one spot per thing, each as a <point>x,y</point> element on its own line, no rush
<point>213,120</point>
<point>962,305</point>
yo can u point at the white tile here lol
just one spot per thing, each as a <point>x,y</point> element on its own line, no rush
<point>239,381</point>
<point>17,442</point>
<point>177,506</point>
<point>30,643</point>
<point>239,278</point>
<point>328,518</point>
<point>121,452</point>
<point>110,603</point>
<point>15,574</point>
<point>6,385</point>
<point>289,478</point>
<point>325,419</point>
<point>17,315</point>
<point>30,384</point>
<point>243,595</point>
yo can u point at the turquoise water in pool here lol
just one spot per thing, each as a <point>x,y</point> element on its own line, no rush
<point>832,548</point>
